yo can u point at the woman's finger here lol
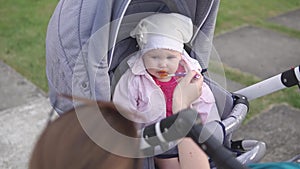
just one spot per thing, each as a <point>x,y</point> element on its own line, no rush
<point>188,77</point>
<point>185,66</point>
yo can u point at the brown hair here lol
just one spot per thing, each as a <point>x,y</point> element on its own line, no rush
<point>65,145</point>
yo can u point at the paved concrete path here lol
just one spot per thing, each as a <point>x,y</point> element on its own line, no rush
<point>290,19</point>
<point>19,128</point>
<point>24,108</point>
<point>16,90</point>
<point>279,128</point>
<point>258,51</point>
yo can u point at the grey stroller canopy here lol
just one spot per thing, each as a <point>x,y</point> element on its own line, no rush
<point>86,41</point>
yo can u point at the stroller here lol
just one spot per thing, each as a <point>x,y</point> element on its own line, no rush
<point>88,43</point>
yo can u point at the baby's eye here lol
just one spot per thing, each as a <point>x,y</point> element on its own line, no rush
<point>171,57</point>
<point>154,57</point>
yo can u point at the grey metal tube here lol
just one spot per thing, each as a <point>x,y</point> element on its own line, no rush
<point>256,151</point>
<point>262,88</point>
<point>233,122</point>
<point>270,85</point>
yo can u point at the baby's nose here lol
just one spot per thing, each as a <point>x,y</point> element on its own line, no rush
<point>162,63</point>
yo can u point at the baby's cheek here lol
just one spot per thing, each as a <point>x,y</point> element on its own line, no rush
<point>152,72</point>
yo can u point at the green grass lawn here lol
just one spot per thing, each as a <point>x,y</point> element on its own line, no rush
<point>235,13</point>
<point>23,25</point>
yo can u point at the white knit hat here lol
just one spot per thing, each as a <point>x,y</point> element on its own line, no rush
<point>163,30</point>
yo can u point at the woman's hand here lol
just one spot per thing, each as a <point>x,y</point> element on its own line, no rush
<point>187,91</point>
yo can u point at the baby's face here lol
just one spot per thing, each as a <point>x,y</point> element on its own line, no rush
<point>161,60</point>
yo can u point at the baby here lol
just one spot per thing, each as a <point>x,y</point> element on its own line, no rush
<point>146,89</point>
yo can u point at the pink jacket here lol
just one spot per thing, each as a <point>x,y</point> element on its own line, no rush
<point>139,98</point>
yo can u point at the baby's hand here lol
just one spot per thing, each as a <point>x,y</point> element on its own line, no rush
<point>187,91</point>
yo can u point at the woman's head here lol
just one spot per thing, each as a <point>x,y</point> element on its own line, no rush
<point>65,145</point>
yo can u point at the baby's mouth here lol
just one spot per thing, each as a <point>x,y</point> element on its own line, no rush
<point>163,73</point>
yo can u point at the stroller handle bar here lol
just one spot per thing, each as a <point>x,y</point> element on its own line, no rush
<point>286,79</point>
<point>222,157</point>
<point>188,122</point>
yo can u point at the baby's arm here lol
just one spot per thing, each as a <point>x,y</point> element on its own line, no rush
<point>135,103</point>
<point>125,96</point>
<point>206,105</point>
